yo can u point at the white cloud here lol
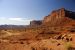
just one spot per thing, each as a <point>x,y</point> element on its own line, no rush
<point>15,21</point>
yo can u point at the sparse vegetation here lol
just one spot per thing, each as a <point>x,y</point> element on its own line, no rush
<point>71,48</point>
<point>68,45</point>
<point>32,48</point>
<point>54,34</point>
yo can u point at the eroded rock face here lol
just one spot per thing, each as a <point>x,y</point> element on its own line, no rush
<point>60,16</point>
<point>35,22</point>
<point>56,18</point>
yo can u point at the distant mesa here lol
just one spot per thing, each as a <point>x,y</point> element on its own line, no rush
<point>56,18</point>
<point>35,22</point>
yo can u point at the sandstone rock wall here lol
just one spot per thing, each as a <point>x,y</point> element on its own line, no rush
<point>56,18</point>
<point>35,23</point>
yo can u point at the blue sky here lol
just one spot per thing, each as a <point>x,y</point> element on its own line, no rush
<point>21,12</point>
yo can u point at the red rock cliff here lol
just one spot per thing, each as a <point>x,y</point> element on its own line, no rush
<point>59,17</point>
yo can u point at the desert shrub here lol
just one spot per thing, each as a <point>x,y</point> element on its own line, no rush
<point>53,41</point>
<point>72,30</point>
<point>67,39</point>
<point>21,43</point>
<point>70,39</point>
<point>32,48</point>
<point>58,44</point>
<point>71,48</point>
<point>59,37</point>
<point>62,38</point>
<point>44,48</point>
<point>68,45</point>
<point>51,49</point>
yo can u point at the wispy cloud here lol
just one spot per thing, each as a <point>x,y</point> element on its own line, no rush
<point>15,21</point>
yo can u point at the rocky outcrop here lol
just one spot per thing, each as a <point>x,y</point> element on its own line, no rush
<point>35,22</point>
<point>54,16</point>
<point>59,17</point>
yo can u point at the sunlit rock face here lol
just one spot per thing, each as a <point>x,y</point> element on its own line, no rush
<point>56,14</point>
<point>58,17</point>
